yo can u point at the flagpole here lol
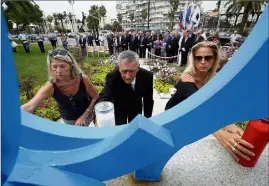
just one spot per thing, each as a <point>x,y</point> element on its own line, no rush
<point>184,14</point>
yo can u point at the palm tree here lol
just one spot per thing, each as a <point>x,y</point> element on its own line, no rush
<point>218,8</point>
<point>65,16</point>
<point>102,12</point>
<point>236,18</point>
<point>93,18</point>
<point>171,14</point>
<point>131,17</point>
<point>83,19</point>
<point>70,17</point>
<point>171,17</point>
<point>144,14</point>
<point>50,19</point>
<point>55,16</point>
<point>116,27</point>
<point>119,16</point>
<point>236,6</point>
<point>258,16</point>
<point>61,17</point>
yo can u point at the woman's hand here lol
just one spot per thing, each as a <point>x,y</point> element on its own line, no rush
<point>235,145</point>
<point>234,129</point>
<point>81,121</point>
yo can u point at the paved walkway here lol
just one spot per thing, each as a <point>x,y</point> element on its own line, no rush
<point>159,103</point>
<point>205,163</point>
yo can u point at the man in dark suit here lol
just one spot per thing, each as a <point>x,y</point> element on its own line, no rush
<point>130,88</point>
<point>148,41</point>
<point>172,47</point>
<point>142,46</point>
<point>110,44</point>
<point>119,43</point>
<point>124,41</point>
<point>185,46</point>
<point>198,38</point>
<point>96,38</point>
<point>82,43</point>
<point>89,39</point>
<point>153,39</point>
<point>133,42</point>
<point>138,36</point>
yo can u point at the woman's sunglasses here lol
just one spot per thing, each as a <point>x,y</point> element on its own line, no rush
<point>56,52</point>
<point>206,58</point>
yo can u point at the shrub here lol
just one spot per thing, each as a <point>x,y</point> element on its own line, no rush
<point>26,86</point>
<point>97,72</point>
<point>76,53</point>
<point>161,86</point>
<point>23,98</point>
<point>48,109</point>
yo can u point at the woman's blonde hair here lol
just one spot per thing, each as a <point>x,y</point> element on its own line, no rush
<point>191,66</point>
<point>75,69</point>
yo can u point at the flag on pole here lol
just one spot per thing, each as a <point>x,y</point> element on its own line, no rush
<point>180,20</point>
<point>184,14</point>
<point>188,16</point>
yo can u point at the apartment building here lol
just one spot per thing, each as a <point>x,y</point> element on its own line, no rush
<point>158,14</point>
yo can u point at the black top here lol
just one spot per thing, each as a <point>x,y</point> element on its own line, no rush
<point>72,107</point>
<point>184,90</point>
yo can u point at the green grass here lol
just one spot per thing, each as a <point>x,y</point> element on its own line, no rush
<point>34,65</point>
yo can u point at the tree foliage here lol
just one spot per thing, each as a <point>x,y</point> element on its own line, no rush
<point>61,17</point>
<point>94,17</point>
<point>23,13</point>
<point>116,27</point>
<point>83,19</point>
<point>144,13</point>
<point>248,7</point>
<point>131,17</point>
<point>108,27</point>
<point>102,11</point>
<point>171,14</point>
<point>70,18</point>
<point>119,16</point>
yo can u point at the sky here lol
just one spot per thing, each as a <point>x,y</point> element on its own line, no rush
<point>50,7</point>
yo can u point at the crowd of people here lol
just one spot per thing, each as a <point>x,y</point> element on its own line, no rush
<point>130,88</point>
<point>166,44</point>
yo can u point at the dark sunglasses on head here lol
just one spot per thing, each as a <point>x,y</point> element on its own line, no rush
<point>200,58</point>
<point>55,52</point>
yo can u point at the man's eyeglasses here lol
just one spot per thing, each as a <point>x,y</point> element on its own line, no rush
<point>206,58</point>
<point>56,52</point>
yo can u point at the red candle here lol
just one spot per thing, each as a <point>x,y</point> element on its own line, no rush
<point>257,134</point>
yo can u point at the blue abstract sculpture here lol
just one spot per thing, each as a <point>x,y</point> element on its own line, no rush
<point>51,154</point>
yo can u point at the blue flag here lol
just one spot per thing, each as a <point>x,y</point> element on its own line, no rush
<point>188,17</point>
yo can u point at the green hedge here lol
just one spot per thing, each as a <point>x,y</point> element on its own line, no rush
<point>162,87</point>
